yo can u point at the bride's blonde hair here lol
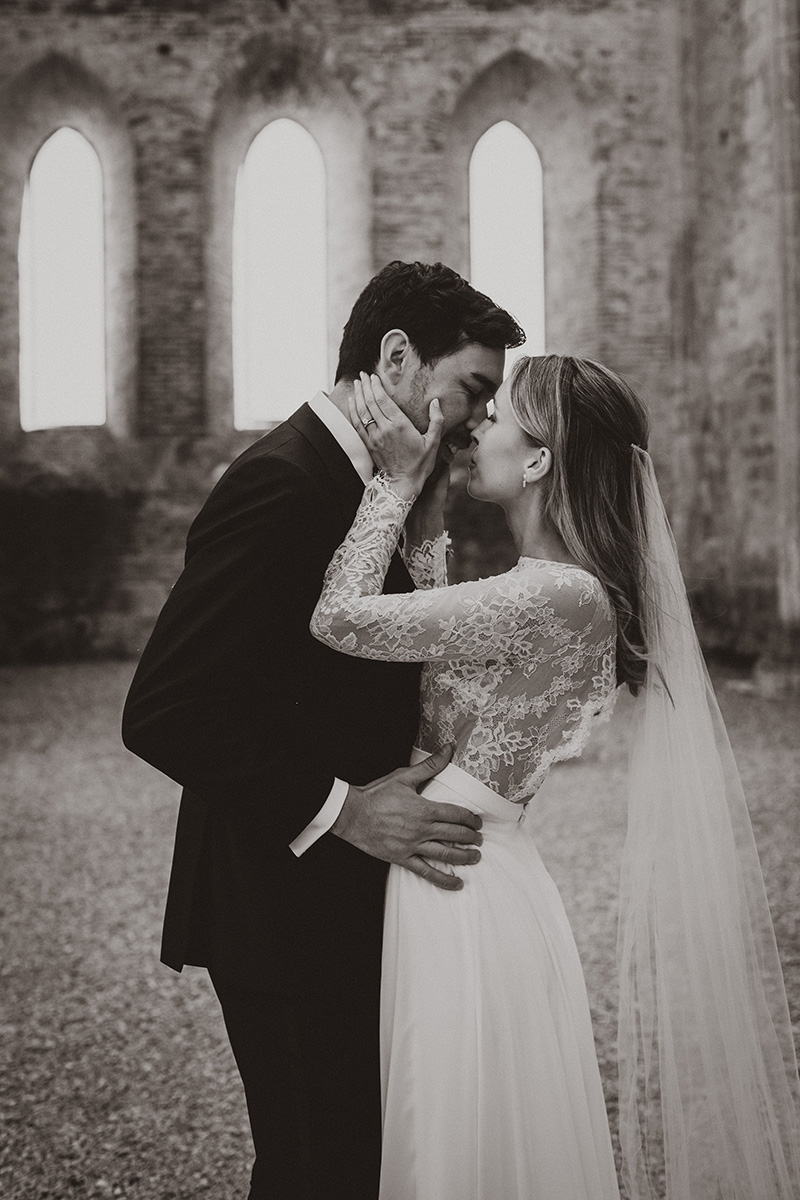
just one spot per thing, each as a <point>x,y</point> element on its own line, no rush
<point>590,418</point>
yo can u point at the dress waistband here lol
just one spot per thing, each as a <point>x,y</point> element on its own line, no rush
<point>454,786</point>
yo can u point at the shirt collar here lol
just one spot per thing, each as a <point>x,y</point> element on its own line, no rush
<point>338,425</point>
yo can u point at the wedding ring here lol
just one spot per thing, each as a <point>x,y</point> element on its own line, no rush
<point>371,421</point>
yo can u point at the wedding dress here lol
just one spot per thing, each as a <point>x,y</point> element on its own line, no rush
<point>491,1088</point>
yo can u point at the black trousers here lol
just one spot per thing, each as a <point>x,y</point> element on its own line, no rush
<point>310,1068</point>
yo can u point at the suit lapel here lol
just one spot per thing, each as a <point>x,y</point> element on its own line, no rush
<point>348,485</point>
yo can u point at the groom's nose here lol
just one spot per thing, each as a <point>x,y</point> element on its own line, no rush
<point>477,416</point>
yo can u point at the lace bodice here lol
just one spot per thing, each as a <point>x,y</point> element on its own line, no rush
<point>517,667</point>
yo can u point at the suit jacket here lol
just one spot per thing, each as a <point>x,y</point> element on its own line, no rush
<point>235,700</point>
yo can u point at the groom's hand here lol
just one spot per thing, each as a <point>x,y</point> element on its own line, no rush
<point>389,820</point>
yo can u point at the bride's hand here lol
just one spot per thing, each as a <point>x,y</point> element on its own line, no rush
<point>407,456</point>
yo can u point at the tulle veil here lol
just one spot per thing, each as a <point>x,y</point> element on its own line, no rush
<point>707,1066</point>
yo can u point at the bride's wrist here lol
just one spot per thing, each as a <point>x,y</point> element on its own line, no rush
<point>402,485</point>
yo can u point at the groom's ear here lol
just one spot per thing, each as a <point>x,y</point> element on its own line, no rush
<point>394,359</point>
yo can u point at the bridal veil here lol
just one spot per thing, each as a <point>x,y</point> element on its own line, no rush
<point>707,1063</point>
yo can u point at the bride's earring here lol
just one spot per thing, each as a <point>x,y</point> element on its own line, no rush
<point>524,479</point>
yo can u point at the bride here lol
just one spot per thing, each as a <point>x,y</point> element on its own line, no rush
<point>491,1089</point>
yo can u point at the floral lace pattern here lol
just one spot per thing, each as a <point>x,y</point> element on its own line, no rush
<point>427,563</point>
<point>518,667</point>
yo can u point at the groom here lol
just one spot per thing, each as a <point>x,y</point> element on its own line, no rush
<point>288,752</point>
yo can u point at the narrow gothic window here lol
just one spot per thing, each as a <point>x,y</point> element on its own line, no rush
<point>506,227</point>
<point>279,276</point>
<point>61,287</point>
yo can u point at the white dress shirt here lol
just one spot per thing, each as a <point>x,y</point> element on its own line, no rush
<point>338,425</point>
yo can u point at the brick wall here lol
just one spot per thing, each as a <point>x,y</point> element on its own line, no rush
<point>651,119</point>
<point>726,316</point>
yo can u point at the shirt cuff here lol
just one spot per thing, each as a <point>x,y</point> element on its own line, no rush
<point>323,820</point>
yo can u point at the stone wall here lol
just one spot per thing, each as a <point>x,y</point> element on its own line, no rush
<point>726,311</point>
<point>650,119</point>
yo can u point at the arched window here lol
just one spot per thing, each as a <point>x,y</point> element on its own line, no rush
<point>279,276</point>
<point>506,228</point>
<point>61,287</point>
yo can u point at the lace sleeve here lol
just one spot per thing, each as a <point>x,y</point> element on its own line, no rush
<point>427,563</point>
<point>508,616</point>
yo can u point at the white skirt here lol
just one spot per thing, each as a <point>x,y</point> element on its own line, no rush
<point>491,1089</point>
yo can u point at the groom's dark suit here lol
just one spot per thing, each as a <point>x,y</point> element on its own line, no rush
<point>236,701</point>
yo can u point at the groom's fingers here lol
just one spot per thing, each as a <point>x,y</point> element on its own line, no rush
<point>456,856</point>
<point>466,835</point>
<point>441,879</point>
<point>454,814</point>
<point>423,771</point>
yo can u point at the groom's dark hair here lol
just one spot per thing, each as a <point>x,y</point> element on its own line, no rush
<point>433,305</point>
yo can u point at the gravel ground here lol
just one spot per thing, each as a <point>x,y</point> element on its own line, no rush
<point>117,1079</point>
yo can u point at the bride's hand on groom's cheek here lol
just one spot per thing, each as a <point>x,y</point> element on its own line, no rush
<point>389,820</point>
<point>397,447</point>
